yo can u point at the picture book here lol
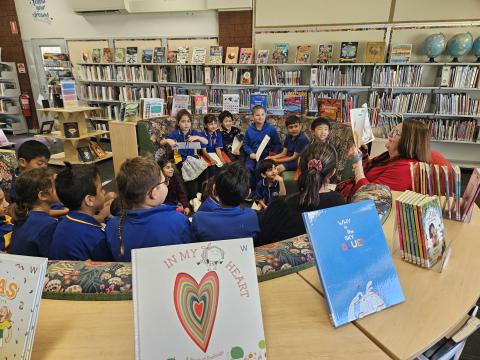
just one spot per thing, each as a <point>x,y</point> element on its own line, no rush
<point>132,55</point>
<point>171,56</point>
<point>353,261</point>
<point>280,53</point>
<point>400,53</point>
<point>314,76</point>
<point>215,55</point>
<point>96,55</point>
<point>85,153</point>
<point>375,52</point>
<point>159,55</point>
<point>293,103</point>
<point>325,52</point>
<point>246,77</point>
<point>246,56</point>
<point>152,107</point>
<point>132,111</point>
<point>69,93</point>
<point>147,55</point>
<point>199,55</point>
<point>86,56</point>
<point>182,55</point>
<point>120,55</point>
<point>71,130</point>
<point>470,195</point>
<point>8,164</point>
<point>301,95</point>
<point>200,104</point>
<point>107,55</point>
<point>303,54</point>
<point>208,295</point>
<point>330,108</point>
<point>180,102</point>
<point>231,55</point>
<point>361,127</point>
<point>22,281</point>
<point>262,56</point>
<point>348,52</point>
<point>231,102</point>
<point>258,99</point>
<point>97,150</point>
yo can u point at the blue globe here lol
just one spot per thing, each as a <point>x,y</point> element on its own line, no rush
<point>460,45</point>
<point>476,47</point>
<point>434,45</point>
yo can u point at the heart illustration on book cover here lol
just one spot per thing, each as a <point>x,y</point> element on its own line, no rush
<point>196,305</point>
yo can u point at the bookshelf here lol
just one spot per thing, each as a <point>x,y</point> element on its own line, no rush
<point>11,117</point>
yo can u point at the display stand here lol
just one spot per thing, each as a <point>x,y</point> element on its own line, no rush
<point>71,144</point>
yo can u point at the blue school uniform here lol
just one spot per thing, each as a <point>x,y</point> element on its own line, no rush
<point>294,145</point>
<point>143,228</point>
<point>266,191</point>
<point>6,228</point>
<point>224,224</point>
<point>208,205</point>
<point>253,138</point>
<point>79,237</point>
<point>214,141</point>
<point>181,137</point>
<point>34,236</point>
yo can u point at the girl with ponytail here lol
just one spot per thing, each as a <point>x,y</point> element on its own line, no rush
<point>283,218</point>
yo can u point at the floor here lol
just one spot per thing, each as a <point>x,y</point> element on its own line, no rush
<point>472,348</point>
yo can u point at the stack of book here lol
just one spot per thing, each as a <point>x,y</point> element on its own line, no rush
<point>460,76</point>
<point>397,76</point>
<point>337,76</point>
<point>457,104</point>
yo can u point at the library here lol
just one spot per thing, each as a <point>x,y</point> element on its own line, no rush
<point>240,179</point>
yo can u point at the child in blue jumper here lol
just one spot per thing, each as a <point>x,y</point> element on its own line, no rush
<point>229,134</point>
<point>5,223</point>
<point>33,226</point>
<point>253,138</point>
<point>228,221</point>
<point>144,221</point>
<point>214,146</point>
<point>270,186</point>
<point>80,236</point>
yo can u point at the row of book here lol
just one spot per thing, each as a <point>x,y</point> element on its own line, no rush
<point>398,102</point>
<point>460,76</point>
<point>397,76</point>
<point>118,73</point>
<point>274,76</point>
<point>337,76</point>
<point>345,102</point>
<point>228,75</point>
<point>215,97</point>
<point>4,86</point>
<point>6,105</point>
<point>457,104</point>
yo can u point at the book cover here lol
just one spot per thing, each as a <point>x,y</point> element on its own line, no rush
<point>200,104</point>
<point>152,107</point>
<point>280,53</point>
<point>96,55</point>
<point>303,54</point>
<point>159,55</point>
<point>107,55</point>
<point>446,71</point>
<point>132,111</point>
<point>293,103</point>
<point>258,99</point>
<point>201,291</point>
<point>180,102</point>
<point>120,55</point>
<point>231,55</point>
<point>147,55</point>
<point>348,52</point>
<point>314,76</point>
<point>231,102</point>
<point>325,52</point>
<point>171,56</point>
<point>71,130</point>
<point>262,56</point>
<point>69,93</point>
<point>22,281</point>
<point>353,261</point>
<point>246,56</point>
<point>132,55</point>
<point>400,53</point>
<point>86,56</point>
<point>361,127</point>
<point>470,194</point>
<point>182,55</point>
<point>433,228</point>
<point>330,108</point>
<point>86,154</point>
<point>215,55</point>
<point>97,149</point>
<point>246,77</point>
<point>375,52</point>
<point>199,55</point>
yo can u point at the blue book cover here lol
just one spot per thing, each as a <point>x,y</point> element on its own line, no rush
<point>258,99</point>
<point>353,261</point>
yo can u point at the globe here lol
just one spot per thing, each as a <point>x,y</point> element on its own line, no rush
<point>476,48</point>
<point>434,45</point>
<point>460,45</point>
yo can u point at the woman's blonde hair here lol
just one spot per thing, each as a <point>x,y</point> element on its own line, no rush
<point>414,141</point>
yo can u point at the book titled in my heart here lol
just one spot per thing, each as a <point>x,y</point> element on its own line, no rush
<point>197,301</point>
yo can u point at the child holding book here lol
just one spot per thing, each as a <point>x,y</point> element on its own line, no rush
<point>294,144</point>
<point>186,136</point>
<point>254,136</point>
<point>176,195</point>
<point>228,221</point>
<point>79,236</point>
<point>229,134</point>
<point>5,223</point>
<point>144,221</point>
<point>212,153</point>
<point>33,226</point>
<point>270,186</point>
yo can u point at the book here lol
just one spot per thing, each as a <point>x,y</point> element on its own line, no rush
<point>85,153</point>
<point>330,108</point>
<point>3,138</point>
<point>171,56</point>
<point>159,55</point>
<point>71,130</point>
<point>231,55</point>
<point>353,261</point>
<point>147,55</point>
<point>132,111</point>
<point>96,55</point>
<point>293,103</point>
<point>246,56</point>
<point>199,55</point>
<point>348,52</point>
<point>258,99</point>
<point>97,150</point>
<point>400,53</point>
<point>246,77</point>
<point>120,55</point>
<point>262,56</point>
<point>152,107</point>
<point>361,127</point>
<point>261,147</point>
<point>314,76</point>
<point>46,127</point>
<point>22,282</point>
<point>182,55</point>
<point>445,79</point>
<point>470,194</point>
<point>200,104</point>
<point>280,53</point>
<point>107,55</point>
<point>69,93</point>
<point>204,282</point>
<point>215,55</point>
<point>86,56</point>
<point>231,102</point>
<point>325,52</point>
<point>180,102</point>
<point>303,54</point>
<point>375,52</point>
<point>132,55</point>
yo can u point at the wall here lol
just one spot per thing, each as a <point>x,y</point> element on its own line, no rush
<point>235,28</point>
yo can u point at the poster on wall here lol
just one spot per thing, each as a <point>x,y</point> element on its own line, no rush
<point>69,94</point>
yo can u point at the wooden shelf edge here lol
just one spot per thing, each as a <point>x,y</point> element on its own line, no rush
<point>59,160</point>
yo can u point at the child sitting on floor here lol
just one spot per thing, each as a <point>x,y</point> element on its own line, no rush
<point>321,128</point>
<point>80,236</point>
<point>229,133</point>
<point>228,221</point>
<point>176,196</point>
<point>214,146</point>
<point>270,186</point>
<point>144,221</point>
<point>5,223</point>
<point>33,226</point>
<point>210,200</point>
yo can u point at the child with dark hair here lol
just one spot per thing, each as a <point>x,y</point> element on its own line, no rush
<point>321,128</point>
<point>5,223</point>
<point>214,146</point>
<point>33,226</point>
<point>228,221</point>
<point>294,144</point>
<point>80,236</point>
<point>144,221</point>
<point>270,186</point>
<point>210,200</point>
<point>176,196</point>
<point>283,217</point>
<point>229,133</point>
